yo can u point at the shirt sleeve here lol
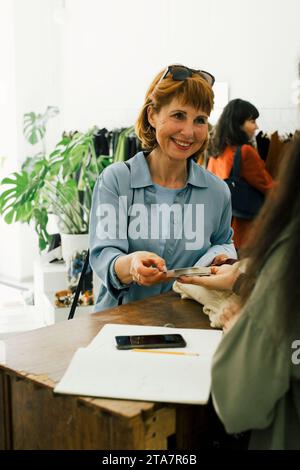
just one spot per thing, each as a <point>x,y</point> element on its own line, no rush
<point>114,280</point>
<point>250,371</point>
<point>221,240</point>
<point>254,171</point>
<point>108,230</point>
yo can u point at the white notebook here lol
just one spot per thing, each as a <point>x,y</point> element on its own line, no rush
<point>101,370</point>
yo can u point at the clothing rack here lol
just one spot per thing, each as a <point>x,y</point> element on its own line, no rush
<point>270,146</point>
<point>272,149</point>
<point>119,144</point>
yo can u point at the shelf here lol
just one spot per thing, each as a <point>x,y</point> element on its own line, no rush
<point>48,279</point>
<point>55,314</point>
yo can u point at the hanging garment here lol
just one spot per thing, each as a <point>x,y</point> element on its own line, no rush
<point>263,143</point>
<point>101,142</point>
<point>127,145</point>
<point>274,156</point>
<point>121,150</point>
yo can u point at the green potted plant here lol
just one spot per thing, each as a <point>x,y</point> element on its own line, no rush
<point>59,183</point>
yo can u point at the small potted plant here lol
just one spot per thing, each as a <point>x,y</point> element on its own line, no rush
<point>59,183</point>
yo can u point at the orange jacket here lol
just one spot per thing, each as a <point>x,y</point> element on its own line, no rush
<point>252,170</point>
<point>252,167</point>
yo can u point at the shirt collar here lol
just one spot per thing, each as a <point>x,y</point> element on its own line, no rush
<point>140,174</point>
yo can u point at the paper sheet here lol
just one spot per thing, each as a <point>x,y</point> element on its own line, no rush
<point>101,370</point>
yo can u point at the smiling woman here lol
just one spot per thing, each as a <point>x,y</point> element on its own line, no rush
<point>166,186</point>
<point>184,87</point>
<point>180,131</point>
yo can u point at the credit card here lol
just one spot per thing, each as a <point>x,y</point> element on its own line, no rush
<point>193,271</point>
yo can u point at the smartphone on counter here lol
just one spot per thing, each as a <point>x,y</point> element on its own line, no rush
<point>150,341</point>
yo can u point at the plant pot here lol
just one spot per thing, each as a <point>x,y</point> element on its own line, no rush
<point>52,224</point>
<point>71,243</point>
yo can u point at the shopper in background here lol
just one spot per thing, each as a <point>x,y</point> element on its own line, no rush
<point>236,127</point>
<point>131,260</point>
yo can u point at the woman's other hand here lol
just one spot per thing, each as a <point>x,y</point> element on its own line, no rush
<point>223,277</point>
<point>219,259</point>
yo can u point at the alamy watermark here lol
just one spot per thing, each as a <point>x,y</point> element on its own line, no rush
<point>296,354</point>
<point>158,221</point>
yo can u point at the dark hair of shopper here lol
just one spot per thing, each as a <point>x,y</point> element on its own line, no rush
<point>228,128</point>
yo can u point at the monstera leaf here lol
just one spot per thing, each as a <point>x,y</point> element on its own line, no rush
<point>35,124</point>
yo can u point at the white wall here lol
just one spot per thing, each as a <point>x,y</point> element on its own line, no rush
<point>113,49</point>
<point>94,59</point>
<point>38,66</point>
<point>257,48</point>
<point>10,253</point>
<point>29,81</point>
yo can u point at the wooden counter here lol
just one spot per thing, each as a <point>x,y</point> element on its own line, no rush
<point>33,417</point>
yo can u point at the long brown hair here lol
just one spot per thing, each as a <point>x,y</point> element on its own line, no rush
<point>281,209</point>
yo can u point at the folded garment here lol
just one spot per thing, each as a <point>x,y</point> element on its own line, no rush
<point>213,301</point>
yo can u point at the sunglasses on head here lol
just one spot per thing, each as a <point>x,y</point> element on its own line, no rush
<point>180,72</point>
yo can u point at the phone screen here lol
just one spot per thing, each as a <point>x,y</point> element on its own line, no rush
<point>150,341</point>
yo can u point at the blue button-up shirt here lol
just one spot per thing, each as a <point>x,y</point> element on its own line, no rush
<point>125,218</point>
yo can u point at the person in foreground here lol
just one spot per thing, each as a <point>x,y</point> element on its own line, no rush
<point>163,211</point>
<point>236,128</point>
<point>256,369</point>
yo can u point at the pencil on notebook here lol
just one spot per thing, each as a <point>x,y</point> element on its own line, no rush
<point>154,351</point>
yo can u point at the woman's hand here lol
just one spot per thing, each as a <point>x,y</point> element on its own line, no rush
<point>223,277</point>
<point>219,259</point>
<point>147,268</point>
